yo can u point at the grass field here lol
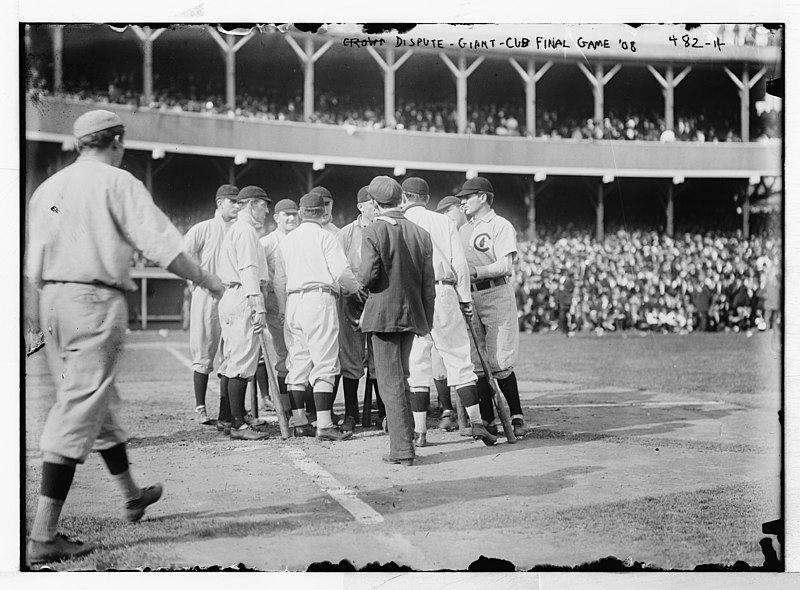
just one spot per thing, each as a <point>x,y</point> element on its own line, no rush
<point>663,449</point>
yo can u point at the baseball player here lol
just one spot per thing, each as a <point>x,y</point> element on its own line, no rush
<point>85,223</point>
<point>327,218</point>
<point>242,312</point>
<point>490,245</point>
<point>286,218</point>
<point>448,333</point>
<point>203,242</point>
<point>354,349</point>
<point>311,268</point>
<point>451,207</point>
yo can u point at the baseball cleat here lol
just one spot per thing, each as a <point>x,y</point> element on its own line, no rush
<point>248,432</point>
<point>134,509</point>
<point>349,424</point>
<point>420,439</point>
<point>446,423</point>
<point>466,431</point>
<point>58,549</point>
<point>304,430</point>
<point>520,430</point>
<point>202,416</point>
<point>404,462</point>
<point>479,431</point>
<point>220,425</point>
<point>493,427</point>
<point>332,434</point>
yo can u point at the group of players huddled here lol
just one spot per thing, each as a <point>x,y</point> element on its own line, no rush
<point>303,283</point>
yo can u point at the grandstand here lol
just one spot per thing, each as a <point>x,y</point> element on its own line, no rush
<point>604,147</point>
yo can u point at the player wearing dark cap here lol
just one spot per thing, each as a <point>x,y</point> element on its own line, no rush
<point>286,219</point>
<point>203,242</point>
<point>397,268</point>
<point>242,313</point>
<point>490,242</point>
<point>311,270</point>
<point>451,207</point>
<point>353,353</point>
<point>327,218</point>
<point>81,278</point>
<point>448,335</point>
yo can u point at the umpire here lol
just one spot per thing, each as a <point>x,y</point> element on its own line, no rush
<point>85,222</point>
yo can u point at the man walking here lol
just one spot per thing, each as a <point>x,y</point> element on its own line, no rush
<point>85,223</point>
<point>397,269</point>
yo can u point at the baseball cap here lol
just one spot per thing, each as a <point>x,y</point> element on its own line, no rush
<point>253,192</point>
<point>385,190</point>
<point>479,184</point>
<point>416,185</point>
<point>321,190</point>
<point>448,202</point>
<point>286,205</point>
<point>94,121</point>
<point>363,194</point>
<point>312,200</point>
<point>228,190</point>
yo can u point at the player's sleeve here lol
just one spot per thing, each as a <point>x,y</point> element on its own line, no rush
<point>34,252</point>
<point>192,242</point>
<point>338,265</point>
<point>505,240</point>
<point>248,250</point>
<point>142,223</point>
<point>370,270</point>
<point>279,280</point>
<point>459,263</point>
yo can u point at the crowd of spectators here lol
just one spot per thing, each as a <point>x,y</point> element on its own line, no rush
<point>644,281</point>
<point>633,121</point>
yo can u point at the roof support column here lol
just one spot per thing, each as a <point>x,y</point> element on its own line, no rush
<point>668,84</point>
<point>461,73</point>
<point>530,78</point>
<point>146,36</point>
<point>229,46</point>
<point>389,67</point>
<point>309,57</point>
<point>598,81</point>
<point>745,84</point>
<point>58,57</point>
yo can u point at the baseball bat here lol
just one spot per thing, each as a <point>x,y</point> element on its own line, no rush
<point>497,398</point>
<point>366,416</point>
<point>274,391</point>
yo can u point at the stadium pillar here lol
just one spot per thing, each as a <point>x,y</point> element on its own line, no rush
<point>461,74</point>
<point>229,46</point>
<point>668,83</point>
<point>670,210</point>
<point>530,78</point>
<point>530,199</point>
<point>146,36</point>
<point>600,214</point>
<point>58,57</point>
<point>389,67</point>
<point>308,57</point>
<point>745,84</point>
<point>598,81</point>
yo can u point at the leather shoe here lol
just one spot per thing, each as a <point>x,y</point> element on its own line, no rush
<point>304,430</point>
<point>520,430</point>
<point>446,423</point>
<point>332,434</point>
<point>349,424</point>
<point>404,462</point>
<point>248,433</point>
<point>420,439</point>
<point>479,431</point>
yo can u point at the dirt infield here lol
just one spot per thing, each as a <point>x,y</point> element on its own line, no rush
<point>662,449</point>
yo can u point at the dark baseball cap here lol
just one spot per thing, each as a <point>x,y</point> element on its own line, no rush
<point>416,185</point>
<point>229,191</point>
<point>448,202</point>
<point>321,190</point>
<point>312,200</point>
<point>94,121</point>
<point>286,205</point>
<point>253,192</point>
<point>479,184</point>
<point>385,190</point>
<point>363,194</point>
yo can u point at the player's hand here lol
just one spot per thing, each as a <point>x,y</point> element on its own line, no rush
<point>466,309</point>
<point>362,295</point>
<point>281,318</point>
<point>214,285</point>
<point>473,272</point>
<point>259,321</point>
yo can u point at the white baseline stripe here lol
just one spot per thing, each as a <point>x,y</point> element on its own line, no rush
<point>185,361</point>
<point>626,405</point>
<point>331,486</point>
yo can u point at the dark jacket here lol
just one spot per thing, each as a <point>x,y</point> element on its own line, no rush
<point>397,268</point>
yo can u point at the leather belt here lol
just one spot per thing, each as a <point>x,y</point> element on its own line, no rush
<point>487,284</point>
<point>231,285</point>
<point>314,290</point>
<point>90,283</point>
<point>446,282</point>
